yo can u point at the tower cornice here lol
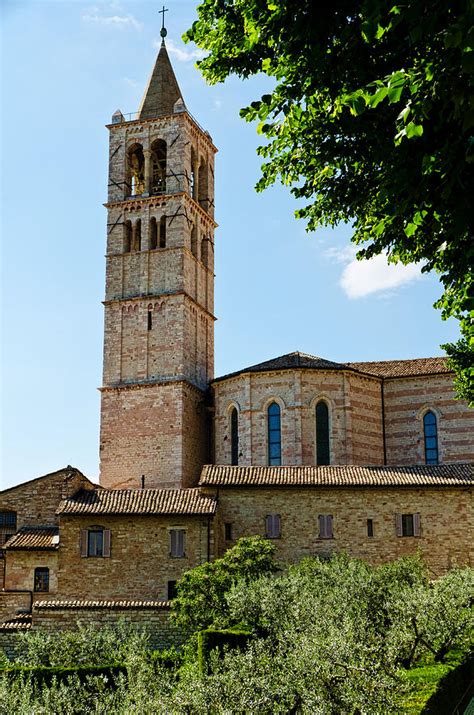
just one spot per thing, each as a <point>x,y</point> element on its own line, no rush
<point>153,296</point>
<point>164,119</point>
<point>178,379</point>
<point>137,202</point>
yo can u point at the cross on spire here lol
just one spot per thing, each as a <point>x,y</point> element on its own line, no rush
<point>163,31</point>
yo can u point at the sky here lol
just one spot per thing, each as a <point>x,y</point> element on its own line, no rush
<point>65,68</point>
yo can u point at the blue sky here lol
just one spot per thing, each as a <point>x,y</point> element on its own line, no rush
<point>66,67</point>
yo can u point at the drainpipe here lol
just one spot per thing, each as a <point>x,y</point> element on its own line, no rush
<point>383,423</point>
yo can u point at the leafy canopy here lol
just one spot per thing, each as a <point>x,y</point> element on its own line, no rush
<point>371,121</point>
<point>201,592</point>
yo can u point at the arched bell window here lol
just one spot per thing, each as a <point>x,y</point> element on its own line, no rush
<point>163,232</point>
<point>234,436</point>
<point>430,433</point>
<point>158,173</point>
<point>274,434</point>
<point>322,433</point>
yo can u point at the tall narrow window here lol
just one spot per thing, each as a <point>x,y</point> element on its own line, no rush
<point>322,433</point>
<point>325,526</point>
<point>177,543</point>
<point>138,235</point>
<point>163,232</point>
<point>194,242</point>
<point>153,234</point>
<point>430,430</point>
<point>272,526</point>
<point>234,436</point>
<point>274,434</point>
<point>150,320</point>
<point>127,241</point>
<point>370,527</point>
<point>41,583</point>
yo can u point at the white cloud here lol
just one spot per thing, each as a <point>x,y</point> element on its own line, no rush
<point>94,16</point>
<point>180,53</point>
<point>345,254</point>
<point>360,278</point>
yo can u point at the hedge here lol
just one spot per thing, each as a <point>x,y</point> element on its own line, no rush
<point>211,639</point>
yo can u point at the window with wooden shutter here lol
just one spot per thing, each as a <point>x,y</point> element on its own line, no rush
<point>408,524</point>
<point>107,542</point>
<point>325,526</point>
<point>177,543</point>
<point>272,526</point>
<point>83,543</point>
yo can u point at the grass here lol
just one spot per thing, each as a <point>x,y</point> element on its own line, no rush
<point>432,687</point>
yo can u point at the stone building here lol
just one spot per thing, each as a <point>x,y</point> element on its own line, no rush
<point>373,458</point>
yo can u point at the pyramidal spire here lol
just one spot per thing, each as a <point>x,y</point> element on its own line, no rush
<point>162,91</point>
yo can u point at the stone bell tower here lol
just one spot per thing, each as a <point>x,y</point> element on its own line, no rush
<point>159,323</point>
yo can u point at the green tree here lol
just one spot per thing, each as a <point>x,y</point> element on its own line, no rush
<point>201,592</point>
<point>370,121</point>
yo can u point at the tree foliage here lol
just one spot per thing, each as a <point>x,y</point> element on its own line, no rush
<point>370,121</point>
<point>201,592</point>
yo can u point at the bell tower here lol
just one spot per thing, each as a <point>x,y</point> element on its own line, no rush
<point>159,322</point>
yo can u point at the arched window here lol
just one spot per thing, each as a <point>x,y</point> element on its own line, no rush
<point>158,174</point>
<point>136,170</point>
<point>234,436</point>
<point>163,232</point>
<point>127,241</point>
<point>153,234</point>
<point>274,434</point>
<point>322,433</point>
<point>430,430</point>
<point>137,236</point>
<point>194,241</point>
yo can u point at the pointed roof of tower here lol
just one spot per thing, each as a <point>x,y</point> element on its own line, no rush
<point>162,90</point>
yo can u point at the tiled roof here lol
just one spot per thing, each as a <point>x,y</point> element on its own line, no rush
<point>138,501</point>
<point>445,475</point>
<point>18,623</point>
<point>69,472</point>
<point>90,604</point>
<point>403,368</point>
<point>36,538</point>
<point>385,368</point>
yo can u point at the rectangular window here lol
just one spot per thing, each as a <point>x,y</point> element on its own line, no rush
<point>325,526</point>
<point>228,531</point>
<point>408,524</point>
<point>41,584</point>
<point>171,590</point>
<point>7,525</point>
<point>150,320</point>
<point>177,543</point>
<point>272,526</point>
<point>370,527</point>
<point>95,542</point>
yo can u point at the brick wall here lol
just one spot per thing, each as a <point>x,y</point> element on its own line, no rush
<point>407,400</point>
<point>139,565</point>
<point>446,522</point>
<point>12,603</point>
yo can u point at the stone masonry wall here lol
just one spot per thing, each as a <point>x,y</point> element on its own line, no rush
<point>354,415</point>
<point>407,400</point>
<point>14,602</point>
<point>139,566</point>
<point>35,502</point>
<point>20,568</point>
<point>154,621</point>
<point>447,522</point>
<point>159,430</point>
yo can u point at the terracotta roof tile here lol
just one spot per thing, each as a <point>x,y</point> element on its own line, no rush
<point>445,475</point>
<point>403,368</point>
<point>36,538</point>
<point>288,362</point>
<point>382,368</point>
<point>77,604</point>
<point>138,501</point>
<point>18,623</point>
